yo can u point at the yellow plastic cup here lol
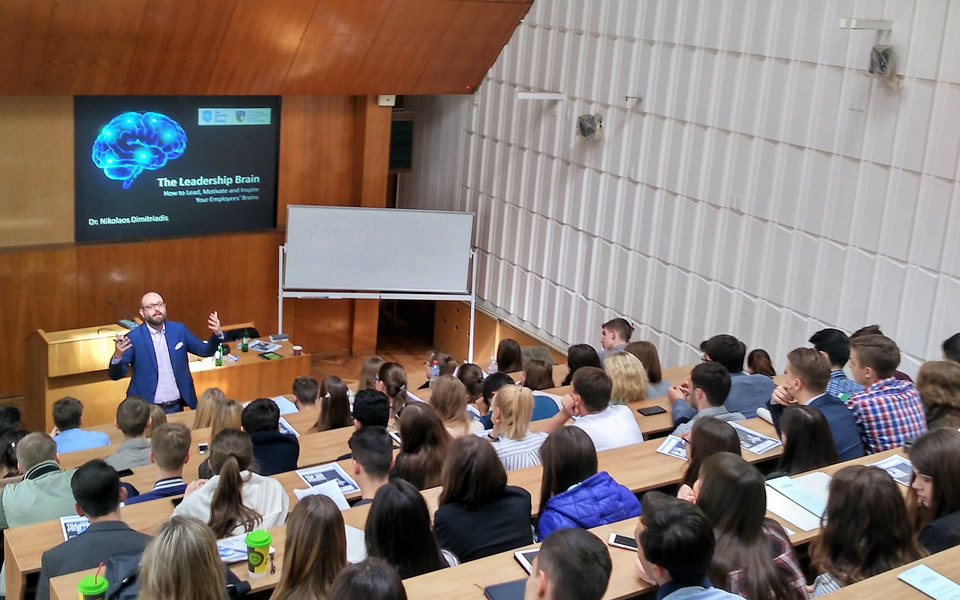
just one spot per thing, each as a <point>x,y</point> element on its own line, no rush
<point>92,587</point>
<point>258,552</point>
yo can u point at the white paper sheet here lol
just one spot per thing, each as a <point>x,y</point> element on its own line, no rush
<point>330,489</point>
<point>790,511</point>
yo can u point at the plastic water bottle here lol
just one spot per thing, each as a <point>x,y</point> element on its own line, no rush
<point>245,343</point>
<point>493,366</point>
<point>434,372</point>
<point>220,355</point>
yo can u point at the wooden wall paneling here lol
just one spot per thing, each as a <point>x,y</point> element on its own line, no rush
<point>372,150</point>
<point>452,326</point>
<point>259,46</point>
<point>89,44</point>
<point>316,152</point>
<point>36,170</point>
<point>23,28</point>
<point>334,44</point>
<point>403,46</point>
<point>320,326</point>
<point>178,43</point>
<point>479,29</point>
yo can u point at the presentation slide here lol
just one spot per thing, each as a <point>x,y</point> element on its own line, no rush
<point>161,166</point>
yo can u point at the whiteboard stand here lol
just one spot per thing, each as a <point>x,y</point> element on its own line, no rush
<point>471,297</point>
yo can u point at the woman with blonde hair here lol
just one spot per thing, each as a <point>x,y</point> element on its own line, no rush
<point>314,552</point>
<point>630,381</point>
<point>938,383</point>
<point>226,415</point>
<point>449,399</point>
<point>207,405</point>
<point>368,373</point>
<point>158,417</point>
<point>182,561</point>
<point>516,445</point>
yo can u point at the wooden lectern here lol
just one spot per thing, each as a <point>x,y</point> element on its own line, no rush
<point>74,363</point>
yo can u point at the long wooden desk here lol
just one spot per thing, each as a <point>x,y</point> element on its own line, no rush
<point>887,586</point>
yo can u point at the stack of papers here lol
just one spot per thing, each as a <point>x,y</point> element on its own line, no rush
<point>674,446</point>
<point>751,441</point>
<point>315,476</point>
<point>287,429</point>
<point>898,467</point>
<point>930,583</point>
<point>800,500</point>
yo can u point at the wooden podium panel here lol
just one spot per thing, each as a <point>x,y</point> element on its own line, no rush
<point>74,363</point>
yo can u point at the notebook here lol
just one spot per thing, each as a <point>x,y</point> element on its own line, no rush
<point>512,590</point>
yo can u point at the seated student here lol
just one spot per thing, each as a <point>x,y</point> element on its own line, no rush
<point>96,488</point>
<point>368,373</point>
<point>580,355</point>
<point>67,419</point>
<point>471,376</point>
<point>609,426</point>
<point>235,500</point>
<point>491,385</point>
<point>865,530</point>
<point>309,567</point>
<point>708,437</point>
<point>479,514</point>
<point>334,405</point>
<point>372,450</point>
<point>274,452</point>
<point>753,556</point>
<point>628,376</point>
<point>707,391</point>
<point>509,356</point>
<point>648,356</point>
<point>572,492</point>
<point>675,545</point>
<point>9,419</point>
<point>449,399</point>
<point>747,392</point>
<point>371,408</point>
<point>170,450</point>
<point>615,335</point>
<point>889,411</point>
<point>537,374</point>
<point>875,330</point>
<point>835,345</point>
<point>938,383</point>
<point>182,561</point>
<point>445,365</point>
<point>8,452</point>
<point>572,563</point>
<point>807,441</point>
<point>511,438</point>
<point>44,494</point>
<point>369,579</point>
<point>423,447</point>
<point>158,417</point>
<point>934,495</point>
<point>806,379</point>
<point>759,363</point>
<point>398,531</point>
<point>305,391</point>
<point>392,381</point>
<point>207,403</point>
<point>227,415</point>
<point>133,418</point>
<point>951,348</point>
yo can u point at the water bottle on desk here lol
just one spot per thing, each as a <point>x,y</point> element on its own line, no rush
<point>245,343</point>
<point>434,372</point>
<point>492,368</point>
<point>220,355</point>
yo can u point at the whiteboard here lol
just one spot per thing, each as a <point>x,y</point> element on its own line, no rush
<point>381,249</point>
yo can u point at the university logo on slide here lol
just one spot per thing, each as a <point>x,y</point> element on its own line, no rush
<point>133,142</point>
<point>241,115</point>
<point>207,116</point>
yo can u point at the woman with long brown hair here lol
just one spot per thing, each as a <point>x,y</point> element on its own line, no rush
<point>646,353</point>
<point>753,556</point>
<point>707,437</point>
<point>235,500</point>
<point>398,531</point>
<point>423,447</point>
<point>392,381</point>
<point>182,561</point>
<point>207,404</point>
<point>934,496</point>
<point>578,356</point>
<point>537,374</point>
<point>334,405</point>
<point>449,398</point>
<point>807,441</point>
<point>509,356</point>
<point>938,383</point>
<point>226,415</point>
<point>471,376</point>
<point>369,372</point>
<point>864,530</point>
<point>314,552</point>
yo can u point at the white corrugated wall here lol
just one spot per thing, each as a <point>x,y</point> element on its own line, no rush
<point>766,185</point>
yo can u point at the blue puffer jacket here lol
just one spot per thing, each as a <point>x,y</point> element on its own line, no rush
<point>596,501</point>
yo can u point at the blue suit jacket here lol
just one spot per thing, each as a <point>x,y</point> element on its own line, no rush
<point>142,357</point>
<point>747,394</point>
<point>843,425</point>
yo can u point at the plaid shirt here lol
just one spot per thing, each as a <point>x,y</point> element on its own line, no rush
<point>841,384</point>
<point>783,559</point>
<point>888,414</point>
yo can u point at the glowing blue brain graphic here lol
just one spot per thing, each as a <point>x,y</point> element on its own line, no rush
<point>135,141</point>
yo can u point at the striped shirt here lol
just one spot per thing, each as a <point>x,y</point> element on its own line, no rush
<point>888,414</point>
<point>840,384</point>
<point>519,454</point>
<point>824,584</point>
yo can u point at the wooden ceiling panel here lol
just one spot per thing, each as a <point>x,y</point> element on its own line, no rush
<point>177,47</point>
<point>403,46</point>
<point>23,28</point>
<point>259,46</point>
<point>335,43</point>
<point>89,46</point>
<point>479,29</point>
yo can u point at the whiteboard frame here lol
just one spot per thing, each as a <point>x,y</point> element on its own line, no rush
<point>470,297</point>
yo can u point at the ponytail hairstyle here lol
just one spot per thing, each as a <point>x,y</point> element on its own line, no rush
<point>231,452</point>
<point>471,376</point>
<point>394,381</point>
<point>8,448</point>
<point>368,373</point>
<point>334,405</point>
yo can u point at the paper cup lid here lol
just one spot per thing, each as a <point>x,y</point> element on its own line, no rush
<point>259,538</point>
<point>91,584</point>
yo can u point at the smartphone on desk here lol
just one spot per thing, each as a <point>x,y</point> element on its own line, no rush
<point>202,447</point>
<point>626,542</point>
<point>649,411</point>
<point>125,473</point>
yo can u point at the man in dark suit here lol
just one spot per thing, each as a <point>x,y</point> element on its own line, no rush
<point>96,489</point>
<point>157,350</point>
<point>274,452</point>
<point>807,375</point>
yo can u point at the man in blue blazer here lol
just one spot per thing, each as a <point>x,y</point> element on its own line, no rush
<point>157,350</point>
<point>807,375</point>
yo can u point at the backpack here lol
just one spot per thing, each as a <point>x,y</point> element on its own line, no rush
<point>122,571</point>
